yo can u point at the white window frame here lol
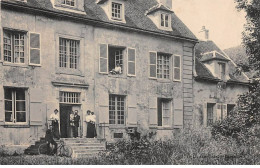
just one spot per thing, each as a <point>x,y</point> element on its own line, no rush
<point>122,14</point>
<point>163,16</point>
<point>77,95</point>
<point>75,3</point>
<point>67,40</point>
<point>26,46</point>
<point>220,64</point>
<point>124,61</point>
<point>14,109</point>
<point>173,67</point>
<point>116,115</point>
<point>163,101</point>
<point>169,61</point>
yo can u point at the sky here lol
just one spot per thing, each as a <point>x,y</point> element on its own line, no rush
<point>224,22</point>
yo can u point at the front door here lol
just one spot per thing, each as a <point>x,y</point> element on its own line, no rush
<point>65,129</point>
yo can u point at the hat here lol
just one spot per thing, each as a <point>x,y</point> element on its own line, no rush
<point>56,110</point>
<point>88,111</point>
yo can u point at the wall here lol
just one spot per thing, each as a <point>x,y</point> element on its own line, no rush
<point>208,92</point>
<point>141,91</point>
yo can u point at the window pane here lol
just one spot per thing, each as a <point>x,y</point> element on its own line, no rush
<point>8,117</point>
<point>162,20</point>
<point>8,93</point>
<point>20,94</point>
<point>8,105</point>
<point>177,74</point>
<point>21,117</point>
<point>20,106</point>
<point>177,61</point>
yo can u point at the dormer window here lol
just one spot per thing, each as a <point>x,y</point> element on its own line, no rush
<point>165,20</point>
<point>68,2</point>
<point>222,70</point>
<point>116,11</point>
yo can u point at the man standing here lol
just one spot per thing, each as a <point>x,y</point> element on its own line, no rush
<point>76,124</point>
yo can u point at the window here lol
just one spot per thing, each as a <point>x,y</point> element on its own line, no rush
<point>69,53</point>
<point>163,66</point>
<point>116,110</point>
<point>68,2</point>
<point>210,110</point>
<point>14,46</point>
<point>164,112</point>
<point>15,105</point>
<point>177,68</point>
<point>165,20</point>
<point>222,70</point>
<point>230,107</point>
<point>115,60</point>
<point>116,11</point>
<point>70,97</point>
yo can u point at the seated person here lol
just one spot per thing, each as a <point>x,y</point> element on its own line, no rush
<point>49,140</point>
<point>117,70</point>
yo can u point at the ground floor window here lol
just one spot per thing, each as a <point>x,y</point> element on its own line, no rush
<point>70,97</point>
<point>116,109</point>
<point>210,112</point>
<point>164,112</point>
<point>15,105</point>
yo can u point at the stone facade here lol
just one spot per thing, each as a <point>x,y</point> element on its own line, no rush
<point>45,82</point>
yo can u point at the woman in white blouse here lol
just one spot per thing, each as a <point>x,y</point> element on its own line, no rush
<point>54,117</point>
<point>91,120</point>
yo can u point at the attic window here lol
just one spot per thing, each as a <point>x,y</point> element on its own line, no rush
<point>165,20</point>
<point>222,70</point>
<point>68,2</point>
<point>117,11</point>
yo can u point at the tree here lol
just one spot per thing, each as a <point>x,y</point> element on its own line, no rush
<point>251,34</point>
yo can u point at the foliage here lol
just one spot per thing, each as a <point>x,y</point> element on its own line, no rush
<point>251,34</point>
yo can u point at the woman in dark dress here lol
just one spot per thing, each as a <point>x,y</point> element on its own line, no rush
<point>91,130</point>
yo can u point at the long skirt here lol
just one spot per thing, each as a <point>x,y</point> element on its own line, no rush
<point>56,132</point>
<point>91,130</point>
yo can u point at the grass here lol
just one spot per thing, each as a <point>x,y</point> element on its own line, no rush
<point>190,147</point>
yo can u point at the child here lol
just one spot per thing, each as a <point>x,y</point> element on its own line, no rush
<point>49,140</point>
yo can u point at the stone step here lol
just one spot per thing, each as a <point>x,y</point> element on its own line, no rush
<point>84,144</point>
<point>87,147</point>
<point>86,155</point>
<point>88,151</point>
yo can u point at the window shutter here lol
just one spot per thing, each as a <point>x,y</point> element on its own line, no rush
<point>103,58</point>
<point>205,116</point>
<point>177,67</point>
<point>218,114</point>
<point>132,111</point>
<point>35,54</point>
<point>153,111</point>
<point>131,62</point>
<point>103,113</point>
<point>224,108</point>
<point>153,64</point>
<point>36,107</point>
<point>178,113</point>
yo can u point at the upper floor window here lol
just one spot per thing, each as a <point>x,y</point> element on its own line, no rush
<point>15,105</point>
<point>222,70</point>
<point>14,46</point>
<point>68,2</point>
<point>163,66</point>
<point>117,11</point>
<point>69,53</point>
<point>116,109</point>
<point>165,20</point>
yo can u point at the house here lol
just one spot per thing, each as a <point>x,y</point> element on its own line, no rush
<point>59,54</point>
<point>216,82</point>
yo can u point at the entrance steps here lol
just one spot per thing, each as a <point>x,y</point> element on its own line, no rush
<point>85,147</point>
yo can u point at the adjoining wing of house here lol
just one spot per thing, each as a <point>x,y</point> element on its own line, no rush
<point>217,84</point>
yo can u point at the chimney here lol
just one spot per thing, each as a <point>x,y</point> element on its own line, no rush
<point>204,34</point>
<point>167,3</point>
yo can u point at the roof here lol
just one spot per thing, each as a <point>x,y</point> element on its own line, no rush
<point>157,7</point>
<point>134,15</point>
<point>214,55</point>
<point>208,50</point>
